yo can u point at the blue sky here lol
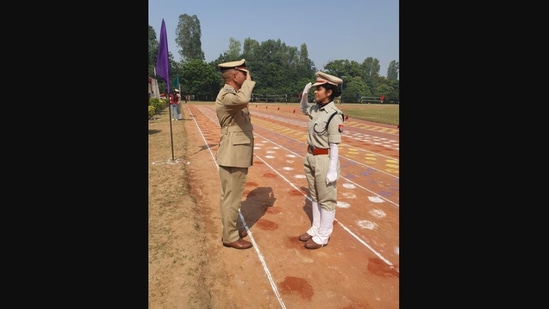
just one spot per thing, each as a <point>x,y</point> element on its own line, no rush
<point>332,30</point>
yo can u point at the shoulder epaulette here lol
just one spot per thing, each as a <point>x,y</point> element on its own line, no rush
<point>332,116</point>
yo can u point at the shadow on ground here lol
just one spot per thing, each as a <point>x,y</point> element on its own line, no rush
<point>256,203</point>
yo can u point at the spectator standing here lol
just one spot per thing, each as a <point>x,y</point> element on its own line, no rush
<point>175,98</point>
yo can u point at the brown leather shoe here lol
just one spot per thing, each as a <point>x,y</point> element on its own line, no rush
<point>239,244</point>
<point>310,244</point>
<point>304,237</point>
<point>242,233</point>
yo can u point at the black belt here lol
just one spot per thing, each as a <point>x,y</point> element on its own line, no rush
<point>317,151</point>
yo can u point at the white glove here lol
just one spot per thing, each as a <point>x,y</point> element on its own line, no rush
<point>307,87</point>
<point>305,98</point>
<point>332,169</point>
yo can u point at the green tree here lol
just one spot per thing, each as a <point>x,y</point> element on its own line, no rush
<point>234,49</point>
<point>383,88</point>
<point>200,79</point>
<point>249,48</point>
<point>392,70</point>
<point>394,95</point>
<point>370,72</point>
<point>344,67</point>
<point>188,36</point>
<point>370,67</point>
<point>304,62</point>
<point>278,69</point>
<point>354,88</point>
<point>153,50</point>
<point>281,69</point>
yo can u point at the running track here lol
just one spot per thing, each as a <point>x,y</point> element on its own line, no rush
<point>360,266</point>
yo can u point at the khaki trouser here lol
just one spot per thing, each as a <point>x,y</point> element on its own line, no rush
<point>233,181</point>
<point>316,168</point>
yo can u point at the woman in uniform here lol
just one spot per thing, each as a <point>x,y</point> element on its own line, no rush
<point>321,163</point>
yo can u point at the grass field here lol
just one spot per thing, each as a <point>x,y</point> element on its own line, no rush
<point>382,113</point>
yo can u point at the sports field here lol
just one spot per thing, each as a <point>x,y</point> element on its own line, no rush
<point>190,268</point>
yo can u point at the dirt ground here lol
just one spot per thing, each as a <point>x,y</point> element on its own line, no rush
<point>176,255</point>
<point>188,266</point>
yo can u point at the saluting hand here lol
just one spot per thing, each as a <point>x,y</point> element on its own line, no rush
<point>304,98</point>
<point>306,89</point>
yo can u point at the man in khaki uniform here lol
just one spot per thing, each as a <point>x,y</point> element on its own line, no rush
<point>236,147</point>
<point>321,163</point>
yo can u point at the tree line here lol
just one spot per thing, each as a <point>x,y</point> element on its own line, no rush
<point>280,70</point>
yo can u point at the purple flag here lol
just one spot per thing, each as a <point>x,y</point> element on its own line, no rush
<point>162,63</point>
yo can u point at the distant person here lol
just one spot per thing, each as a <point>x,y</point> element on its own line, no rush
<point>321,163</point>
<point>175,98</point>
<point>236,148</point>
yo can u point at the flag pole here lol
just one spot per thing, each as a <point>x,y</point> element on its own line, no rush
<point>162,68</point>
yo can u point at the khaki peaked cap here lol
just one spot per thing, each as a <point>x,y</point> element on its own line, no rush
<point>237,65</point>
<point>323,78</point>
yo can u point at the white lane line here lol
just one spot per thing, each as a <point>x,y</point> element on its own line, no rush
<point>342,225</point>
<point>297,188</point>
<point>255,245</point>
<point>343,177</point>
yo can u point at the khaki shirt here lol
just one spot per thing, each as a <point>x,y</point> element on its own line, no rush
<point>236,143</point>
<point>320,136</point>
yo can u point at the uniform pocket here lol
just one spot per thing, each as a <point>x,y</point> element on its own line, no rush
<point>240,138</point>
